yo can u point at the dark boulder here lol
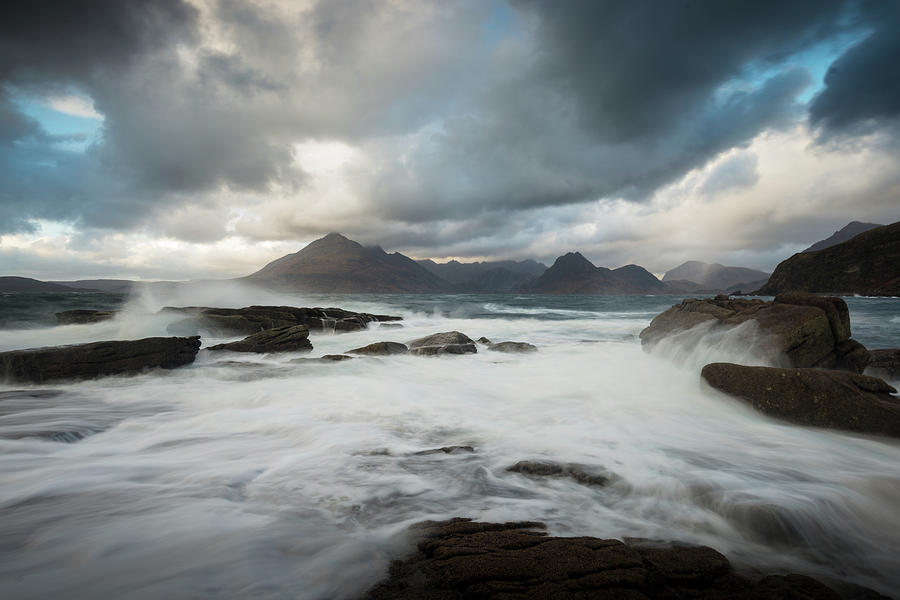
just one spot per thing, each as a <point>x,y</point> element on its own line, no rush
<point>381,349</point>
<point>83,316</point>
<point>493,561</point>
<point>97,359</point>
<point>251,319</point>
<point>451,342</point>
<point>798,330</point>
<point>885,363</point>
<point>291,338</point>
<point>834,399</point>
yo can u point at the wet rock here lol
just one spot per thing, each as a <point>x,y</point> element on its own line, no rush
<point>834,399</point>
<point>485,341</point>
<point>884,363</point>
<point>445,450</point>
<point>451,342</point>
<point>798,330</point>
<point>492,561</point>
<point>83,316</point>
<point>580,473</point>
<point>520,347</point>
<point>390,326</point>
<point>381,349</point>
<point>97,359</point>
<point>251,319</point>
<point>291,338</point>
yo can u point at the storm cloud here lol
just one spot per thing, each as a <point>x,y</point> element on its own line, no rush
<point>453,128</point>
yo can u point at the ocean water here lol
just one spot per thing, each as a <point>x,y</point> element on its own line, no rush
<point>248,476</point>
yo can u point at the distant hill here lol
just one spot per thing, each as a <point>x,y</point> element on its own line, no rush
<point>572,273</point>
<point>119,286</point>
<point>337,264</point>
<point>851,230</point>
<point>715,277</point>
<point>26,284</point>
<point>486,276</point>
<point>868,264</point>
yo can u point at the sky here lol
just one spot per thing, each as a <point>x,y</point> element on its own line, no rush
<point>178,139</point>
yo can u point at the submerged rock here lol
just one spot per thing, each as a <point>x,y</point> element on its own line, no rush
<point>450,342</point>
<point>885,363</point>
<point>292,338</point>
<point>798,330</point>
<point>464,559</point>
<point>97,359</point>
<point>445,450</point>
<point>520,347</point>
<point>507,346</point>
<point>579,473</point>
<point>381,349</point>
<point>251,319</point>
<point>82,316</point>
<point>325,359</point>
<point>833,399</point>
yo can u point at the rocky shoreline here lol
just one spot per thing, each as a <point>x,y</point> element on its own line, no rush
<point>819,379</point>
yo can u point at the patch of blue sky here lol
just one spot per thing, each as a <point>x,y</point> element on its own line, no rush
<point>500,22</point>
<point>70,132</point>
<point>816,60</point>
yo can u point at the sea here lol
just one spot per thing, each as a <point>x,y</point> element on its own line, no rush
<point>255,476</point>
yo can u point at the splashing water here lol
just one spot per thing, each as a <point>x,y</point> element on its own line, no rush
<point>255,476</point>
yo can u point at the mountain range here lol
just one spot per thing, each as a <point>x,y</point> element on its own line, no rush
<point>713,276</point>
<point>864,263</point>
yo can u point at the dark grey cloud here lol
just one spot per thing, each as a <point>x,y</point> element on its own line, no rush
<point>634,68</point>
<point>862,89</point>
<point>474,123</point>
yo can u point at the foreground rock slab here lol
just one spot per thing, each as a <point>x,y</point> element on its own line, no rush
<point>97,359</point>
<point>798,330</point>
<point>251,319</point>
<point>463,559</point>
<point>83,316</point>
<point>292,338</point>
<point>834,399</point>
<point>449,342</point>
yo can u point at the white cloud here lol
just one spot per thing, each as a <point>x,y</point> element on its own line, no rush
<point>78,106</point>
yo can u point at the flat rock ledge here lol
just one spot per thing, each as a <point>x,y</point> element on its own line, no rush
<point>97,359</point>
<point>800,330</point>
<point>291,338</point>
<point>461,559</point>
<point>449,342</point>
<point>816,397</point>
<point>251,319</point>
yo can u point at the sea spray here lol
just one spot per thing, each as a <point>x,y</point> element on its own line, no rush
<point>258,476</point>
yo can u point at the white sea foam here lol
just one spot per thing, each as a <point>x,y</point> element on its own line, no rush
<point>255,476</point>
